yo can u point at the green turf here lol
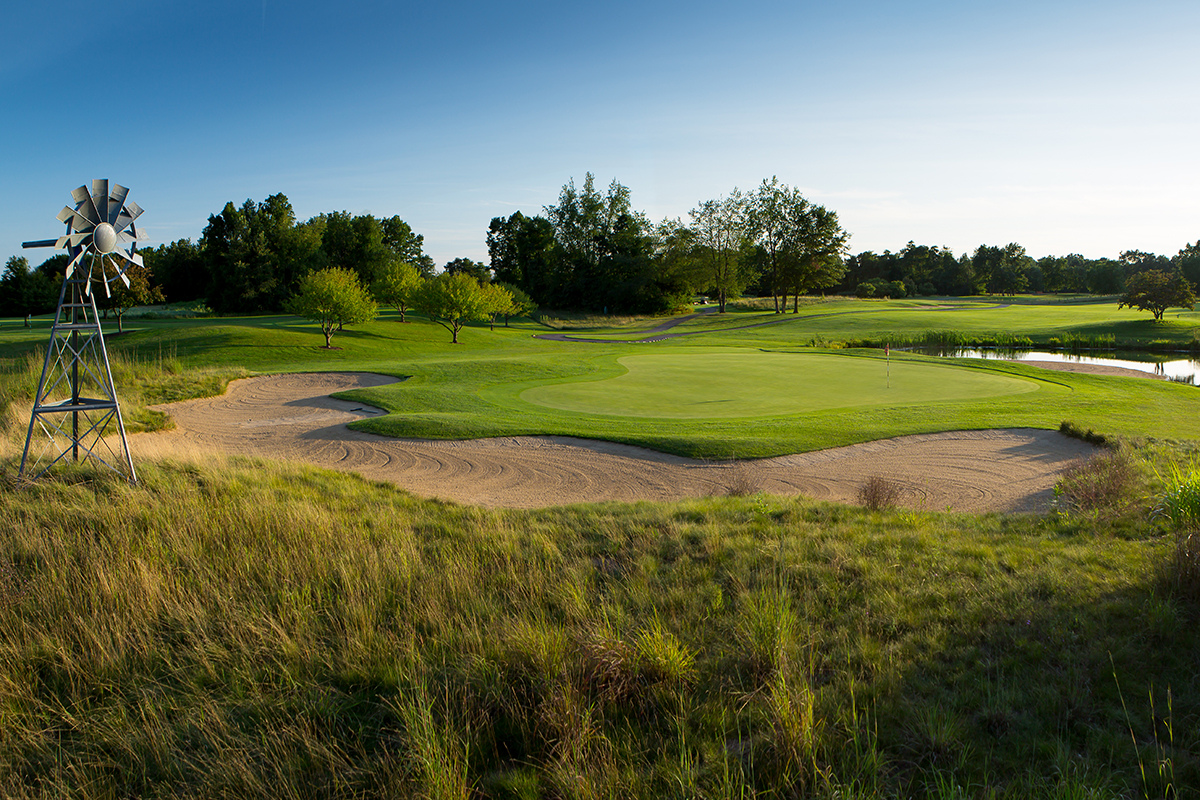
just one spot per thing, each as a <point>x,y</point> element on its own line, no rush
<point>1042,320</point>
<point>482,387</point>
<point>751,383</point>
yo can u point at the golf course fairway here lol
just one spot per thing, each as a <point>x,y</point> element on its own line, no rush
<point>758,384</point>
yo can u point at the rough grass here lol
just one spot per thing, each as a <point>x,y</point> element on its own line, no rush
<point>232,628</point>
<point>1179,504</point>
<point>142,380</point>
<point>239,628</point>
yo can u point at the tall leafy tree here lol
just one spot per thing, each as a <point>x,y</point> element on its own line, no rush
<point>722,233</point>
<point>357,243</point>
<point>405,245</point>
<point>1155,290</point>
<point>240,247</point>
<point>24,290</point>
<point>815,251</point>
<point>772,211</point>
<point>606,247</point>
<point>178,269</point>
<point>466,266</point>
<point>524,253</point>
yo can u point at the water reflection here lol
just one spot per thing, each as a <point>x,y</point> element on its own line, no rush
<point>1182,370</point>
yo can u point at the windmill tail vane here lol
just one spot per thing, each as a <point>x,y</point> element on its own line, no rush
<point>76,402</point>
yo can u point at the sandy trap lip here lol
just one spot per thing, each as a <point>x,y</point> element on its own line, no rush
<point>293,417</point>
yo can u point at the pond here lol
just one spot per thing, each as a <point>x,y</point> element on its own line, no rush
<point>1183,370</point>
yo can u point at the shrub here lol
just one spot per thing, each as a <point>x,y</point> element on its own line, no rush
<point>1103,482</point>
<point>742,482</point>
<point>878,493</point>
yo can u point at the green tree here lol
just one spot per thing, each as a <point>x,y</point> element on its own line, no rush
<point>332,297</point>
<point>178,269</point>
<point>405,245</point>
<point>466,266</point>
<point>524,253</point>
<point>26,291</point>
<point>522,304</point>
<point>814,252</point>
<point>397,285</point>
<point>682,273</point>
<point>241,248</point>
<point>772,211</point>
<point>1187,261</point>
<point>1155,291</point>
<point>357,243</point>
<point>606,249</point>
<point>140,292</point>
<point>452,301</point>
<point>497,301</point>
<point>721,230</point>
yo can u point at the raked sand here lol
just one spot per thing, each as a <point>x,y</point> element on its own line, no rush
<point>292,417</point>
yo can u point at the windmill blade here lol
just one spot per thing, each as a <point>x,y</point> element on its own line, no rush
<point>72,240</point>
<point>127,236</point>
<point>100,197</point>
<point>132,212</point>
<point>116,199</point>
<point>132,258</point>
<point>71,265</point>
<point>85,206</point>
<point>75,221</point>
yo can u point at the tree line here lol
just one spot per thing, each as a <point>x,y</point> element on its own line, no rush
<point>592,250</point>
<point>925,270</point>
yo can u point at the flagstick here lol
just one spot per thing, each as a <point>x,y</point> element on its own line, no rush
<point>887,352</point>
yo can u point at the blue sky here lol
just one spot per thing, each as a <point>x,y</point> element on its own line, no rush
<point>1063,126</point>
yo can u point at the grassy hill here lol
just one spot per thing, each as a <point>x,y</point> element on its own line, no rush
<point>231,627</point>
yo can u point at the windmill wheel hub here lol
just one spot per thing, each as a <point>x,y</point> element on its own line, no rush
<point>104,239</point>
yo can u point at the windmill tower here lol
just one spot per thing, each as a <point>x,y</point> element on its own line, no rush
<point>76,402</point>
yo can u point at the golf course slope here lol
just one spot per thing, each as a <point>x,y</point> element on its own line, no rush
<point>292,417</point>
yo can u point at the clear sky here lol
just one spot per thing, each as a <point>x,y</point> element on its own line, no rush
<point>1063,125</point>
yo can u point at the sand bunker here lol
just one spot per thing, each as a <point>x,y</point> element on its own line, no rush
<point>292,417</point>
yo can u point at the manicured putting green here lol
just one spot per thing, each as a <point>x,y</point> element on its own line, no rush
<point>756,384</point>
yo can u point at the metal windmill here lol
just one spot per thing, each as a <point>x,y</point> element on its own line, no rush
<point>76,402</point>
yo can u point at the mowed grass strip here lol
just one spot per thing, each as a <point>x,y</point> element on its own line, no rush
<point>748,383</point>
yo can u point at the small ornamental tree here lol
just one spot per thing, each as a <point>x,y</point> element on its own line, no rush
<point>497,301</point>
<point>332,298</point>
<point>1155,291</point>
<point>452,301</point>
<point>522,304</point>
<point>397,285</point>
<point>139,292</point>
